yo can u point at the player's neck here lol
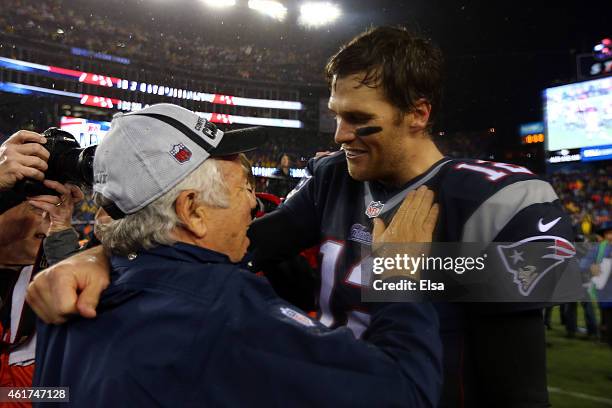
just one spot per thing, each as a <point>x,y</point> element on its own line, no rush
<point>415,163</point>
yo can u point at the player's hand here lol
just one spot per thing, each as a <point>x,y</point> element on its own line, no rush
<point>412,226</point>
<point>595,270</point>
<point>60,208</point>
<point>414,221</point>
<point>70,287</point>
<point>22,155</point>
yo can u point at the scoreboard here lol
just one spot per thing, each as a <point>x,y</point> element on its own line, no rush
<point>533,138</point>
<point>532,133</point>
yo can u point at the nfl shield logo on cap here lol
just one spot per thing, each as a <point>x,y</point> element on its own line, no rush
<point>374,209</point>
<point>181,153</point>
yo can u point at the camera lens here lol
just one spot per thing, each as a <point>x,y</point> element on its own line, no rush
<point>68,162</point>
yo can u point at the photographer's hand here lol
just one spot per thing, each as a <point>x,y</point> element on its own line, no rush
<point>22,155</point>
<point>60,208</point>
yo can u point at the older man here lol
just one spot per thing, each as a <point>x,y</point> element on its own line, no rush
<point>181,324</point>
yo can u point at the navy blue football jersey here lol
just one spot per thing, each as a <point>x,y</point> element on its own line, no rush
<point>481,202</point>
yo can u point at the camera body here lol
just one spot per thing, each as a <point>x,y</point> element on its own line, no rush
<point>68,163</point>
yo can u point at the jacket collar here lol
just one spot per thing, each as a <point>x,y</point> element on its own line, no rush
<point>180,252</point>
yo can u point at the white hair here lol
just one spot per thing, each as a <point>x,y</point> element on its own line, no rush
<point>153,225</point>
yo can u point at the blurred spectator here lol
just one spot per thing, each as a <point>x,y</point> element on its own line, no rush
<point>281,182</point>
<point>61,238</point>
<point>598,261</point>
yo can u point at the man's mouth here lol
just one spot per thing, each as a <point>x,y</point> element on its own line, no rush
<point>354,153</point>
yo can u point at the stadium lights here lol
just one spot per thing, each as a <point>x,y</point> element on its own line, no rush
<point>220,3</point>
<point>135,86</point>
<point>318,14</point>
<point>271,8</point>
<point>118,104</point>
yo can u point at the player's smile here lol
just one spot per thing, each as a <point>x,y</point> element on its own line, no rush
<point>353,154</point>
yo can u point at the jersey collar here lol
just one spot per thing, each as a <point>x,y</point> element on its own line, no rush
<point>377,195</point>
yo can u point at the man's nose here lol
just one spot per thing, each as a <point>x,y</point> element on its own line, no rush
<point>345,133</point>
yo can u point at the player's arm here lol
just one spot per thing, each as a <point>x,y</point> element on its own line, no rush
<point>291,228</point>
<point>279,235</point>
<point>512,335</point>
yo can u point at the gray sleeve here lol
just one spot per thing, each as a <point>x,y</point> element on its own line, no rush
<point>61,245</point>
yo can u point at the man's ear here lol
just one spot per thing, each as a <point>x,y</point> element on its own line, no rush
<point>418,117</point>
<point>191,213</point>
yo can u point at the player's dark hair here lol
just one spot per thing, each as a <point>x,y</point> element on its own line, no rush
<point>406,66</point>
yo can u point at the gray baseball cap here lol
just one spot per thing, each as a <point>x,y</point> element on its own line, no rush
<point>148,152</point>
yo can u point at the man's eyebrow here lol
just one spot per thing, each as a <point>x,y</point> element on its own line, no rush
<point>355,114</point>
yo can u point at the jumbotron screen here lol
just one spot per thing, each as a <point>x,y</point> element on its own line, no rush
<point>579,116</point>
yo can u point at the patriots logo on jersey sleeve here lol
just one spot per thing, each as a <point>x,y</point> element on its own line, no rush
<point>530,259</point>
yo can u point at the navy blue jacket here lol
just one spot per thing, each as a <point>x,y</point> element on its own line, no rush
<point>181,326</point>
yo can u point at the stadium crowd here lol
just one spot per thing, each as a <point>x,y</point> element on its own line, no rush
<point>50,22</point>
<point>586,195</point>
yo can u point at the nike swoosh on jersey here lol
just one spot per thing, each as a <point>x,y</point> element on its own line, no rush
<point>545,227</point>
